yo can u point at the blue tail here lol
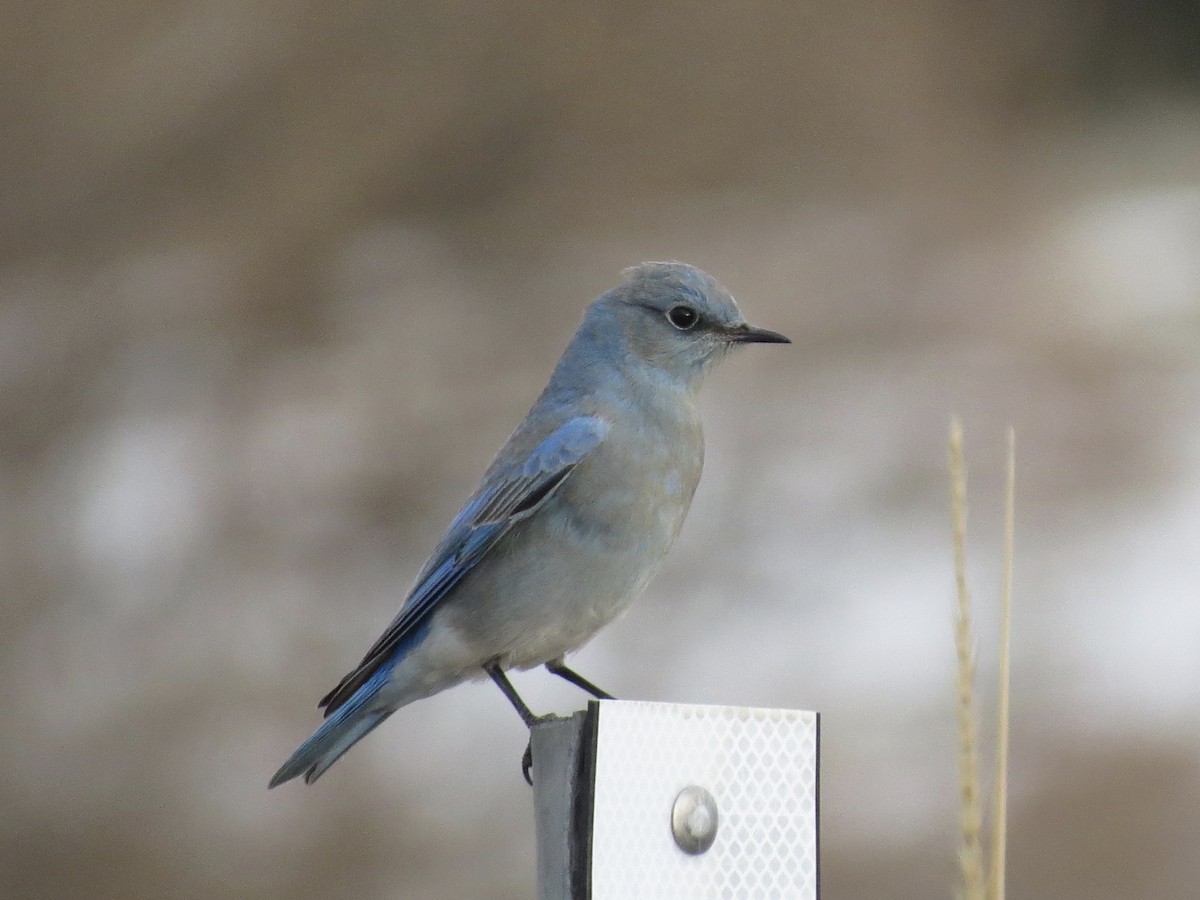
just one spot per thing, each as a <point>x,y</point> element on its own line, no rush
<point>341,731</point>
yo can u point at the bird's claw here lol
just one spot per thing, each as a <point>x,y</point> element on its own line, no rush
<point>527,756</point>
<point>527,763</point>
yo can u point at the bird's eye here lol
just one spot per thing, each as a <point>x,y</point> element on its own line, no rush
<point>682,317</point>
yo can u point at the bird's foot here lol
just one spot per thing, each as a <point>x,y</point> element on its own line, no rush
<point>527,763</point>
<point>527,756</point>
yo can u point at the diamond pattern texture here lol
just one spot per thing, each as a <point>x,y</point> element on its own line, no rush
<point>759,764</point>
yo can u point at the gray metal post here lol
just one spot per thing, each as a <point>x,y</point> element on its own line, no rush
<point>563,758</point>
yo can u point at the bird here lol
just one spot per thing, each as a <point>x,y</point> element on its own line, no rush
<point>571,519</point>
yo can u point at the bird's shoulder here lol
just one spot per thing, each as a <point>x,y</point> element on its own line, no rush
<point>548,442</point>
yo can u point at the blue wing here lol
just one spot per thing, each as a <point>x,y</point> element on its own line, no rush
<point>509,494</point>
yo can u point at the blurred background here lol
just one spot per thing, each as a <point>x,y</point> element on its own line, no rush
<point>278,277</point>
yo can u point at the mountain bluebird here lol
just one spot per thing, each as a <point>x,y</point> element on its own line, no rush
<point>572,518</point>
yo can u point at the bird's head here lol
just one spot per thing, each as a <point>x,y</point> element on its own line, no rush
<point>680,319</point>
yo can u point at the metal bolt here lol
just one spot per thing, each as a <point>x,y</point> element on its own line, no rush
<point>694,819</point>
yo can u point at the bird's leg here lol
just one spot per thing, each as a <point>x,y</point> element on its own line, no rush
<point>557,667</point>
<point>492,667</point>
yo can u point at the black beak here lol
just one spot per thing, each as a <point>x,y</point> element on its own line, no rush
<point>748,334</point>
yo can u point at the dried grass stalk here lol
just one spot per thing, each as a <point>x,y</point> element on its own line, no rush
<point>1000,796</point>
<point>970,852</point>
<point>980,881</point>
